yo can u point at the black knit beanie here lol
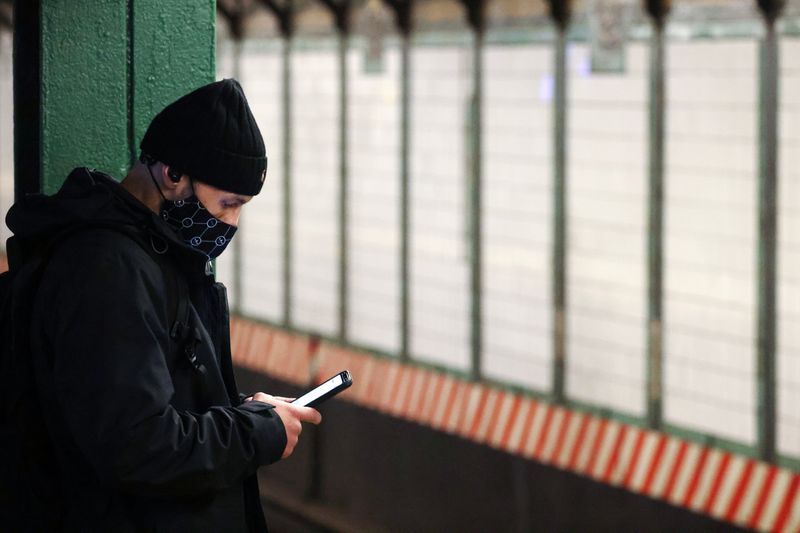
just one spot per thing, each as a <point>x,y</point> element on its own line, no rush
<point>211,135</point>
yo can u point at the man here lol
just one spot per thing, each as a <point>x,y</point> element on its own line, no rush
<point>129,331</point>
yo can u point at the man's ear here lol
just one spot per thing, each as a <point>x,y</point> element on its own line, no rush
<point>170,176</point>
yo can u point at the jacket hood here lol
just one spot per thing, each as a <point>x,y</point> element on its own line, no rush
<point>87,196</point>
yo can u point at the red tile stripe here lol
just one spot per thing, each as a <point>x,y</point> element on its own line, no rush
<point>595,449</point>
<point>526,428</point>
<point>418,385</point>
<point>381,376</point>
<point>432,392</point>
<point>695,482</point>
<point>651,472</point>
<point>761,503</point>
<point>714,492</point>
<point>732,488</point>
<point>562,437</point>
<point>789,502</point>
<point>489,418</point>
<point>736,500</point>
<point>512,419</point>
<point>615,454</point>
<point>673,476</point>
<point>474,411</point>
<point>637,450</point>
<point>442,422</point>
<point>579,442</point>
<point>548,420</point>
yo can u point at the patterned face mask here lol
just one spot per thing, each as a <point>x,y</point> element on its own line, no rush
<point>196,226</point>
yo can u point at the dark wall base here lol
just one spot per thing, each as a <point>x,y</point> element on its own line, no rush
<point>409,478</point>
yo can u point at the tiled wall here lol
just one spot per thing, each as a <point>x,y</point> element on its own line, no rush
<point>517,167</point>
<point>315,189</point>
<point>607,229</point>
<point>439,239</point>
<point>262,227</point>
<point>710,219</point>
<point>374,210</point>
<point>710,237</point>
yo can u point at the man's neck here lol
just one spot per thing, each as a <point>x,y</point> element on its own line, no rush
<point>143,188</point>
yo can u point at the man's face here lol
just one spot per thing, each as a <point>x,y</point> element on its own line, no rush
<point>223,205</point>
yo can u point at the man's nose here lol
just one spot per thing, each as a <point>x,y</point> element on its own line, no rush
<point>231,216</point>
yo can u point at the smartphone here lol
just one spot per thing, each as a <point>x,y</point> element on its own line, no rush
<point>319,394</point>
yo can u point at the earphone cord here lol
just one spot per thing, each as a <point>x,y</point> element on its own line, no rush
<point>155,182</point>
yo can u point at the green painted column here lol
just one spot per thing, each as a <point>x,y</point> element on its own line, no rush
<point>405,195</point>
<point>476,17</point>
<point>476,201</point>
<point>769,73</point>
<point>105,69</point>
<point>560,11</point>
<point>658,11</point>
<point>284,13</point>
<point>403,11</point>
<point>84,88</point>
<point>173,51</point>
<point>286,102</point>
<point>344,190</point>
<point>340,11</point>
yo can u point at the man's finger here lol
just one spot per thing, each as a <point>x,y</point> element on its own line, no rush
<point>267,398</point>
<point>261,397</point>
<point>284,399</point>
<point>307,414</point>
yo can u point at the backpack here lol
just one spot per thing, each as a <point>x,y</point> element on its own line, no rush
<point>30,487</point>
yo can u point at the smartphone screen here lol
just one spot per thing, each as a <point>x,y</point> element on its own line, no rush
<point>336,384</point>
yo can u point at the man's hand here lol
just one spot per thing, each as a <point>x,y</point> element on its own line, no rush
<point>291,416</point>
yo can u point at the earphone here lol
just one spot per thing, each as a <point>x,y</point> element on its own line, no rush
<point>174,174</point>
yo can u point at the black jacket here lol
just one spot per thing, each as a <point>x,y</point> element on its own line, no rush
<point>144,440</point>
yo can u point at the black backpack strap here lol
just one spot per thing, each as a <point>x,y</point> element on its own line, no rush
<point>181,297</point>
<point>181,332</point>
<point>178,301</point>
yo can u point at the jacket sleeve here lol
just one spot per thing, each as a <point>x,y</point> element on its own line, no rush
<point>112,385</point>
